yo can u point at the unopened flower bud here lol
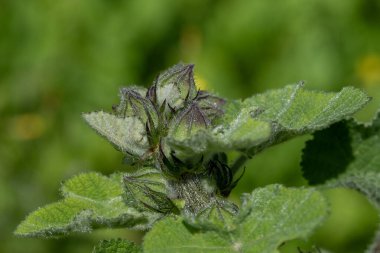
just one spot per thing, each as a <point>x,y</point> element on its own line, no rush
<point>188,121</point>
<point>133,104</point>
<point>211,105</point>
<point>146,190</point>
<point>175,86</point>
<point>222,174</point>
<point>172,165</point>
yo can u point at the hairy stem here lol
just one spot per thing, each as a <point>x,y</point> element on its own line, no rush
<point>193,190</point>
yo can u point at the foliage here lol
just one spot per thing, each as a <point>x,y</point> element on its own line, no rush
<point>61,58</point>
<point>349,153</point>
<point>176,138</point>
<point>255,229</point>
<point>90,200</point>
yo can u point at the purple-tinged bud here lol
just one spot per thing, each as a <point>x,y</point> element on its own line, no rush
<point>133,104</point>
<point>211,105</point>
<point>176,86</point>
<point>223,176</point>
<point>146,190</point>
<point>151,94</point>
<point>188,121</point>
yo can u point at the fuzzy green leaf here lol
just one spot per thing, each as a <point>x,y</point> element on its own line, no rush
<point>91,201</point>
<point>268,217</point>
<point>348,155</point>
<point>301,110</point>
<point>116,246</point>
<point>127,134</point>
<point>294,110</point>
<point>272,117</point>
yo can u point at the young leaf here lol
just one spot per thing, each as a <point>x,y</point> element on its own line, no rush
<point>117,246</point>
<point>127,134</point>
<point>91,201</point>
<point>297,109</point>
<point>268,217</point>
<point>294,110</point>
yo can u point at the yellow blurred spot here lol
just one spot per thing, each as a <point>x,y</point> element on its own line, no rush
<point>27,126</point>
<point>368,70</point>
<point>201,83</point>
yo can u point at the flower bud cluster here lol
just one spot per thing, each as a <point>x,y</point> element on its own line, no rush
<point>171,106</point>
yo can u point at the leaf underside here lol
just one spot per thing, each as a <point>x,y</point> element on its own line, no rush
<point>268,217</point>
<point>350,152</point>
<point>90,201</point>
<point>126,134</point>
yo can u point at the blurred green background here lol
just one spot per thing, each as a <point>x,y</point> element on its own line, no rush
<point>61,58</point>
